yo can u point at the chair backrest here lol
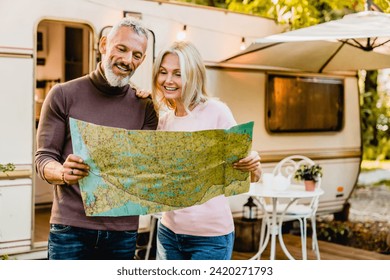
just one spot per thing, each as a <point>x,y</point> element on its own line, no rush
<point>287,168</point>
<point>289,165</point>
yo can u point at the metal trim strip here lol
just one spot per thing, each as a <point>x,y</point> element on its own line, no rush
<point>16,55</point>
<point>16,52</point>
<point>314,155</point>
<point>16,174</point>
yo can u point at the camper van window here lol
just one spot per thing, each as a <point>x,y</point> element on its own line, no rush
<point>304,104</point>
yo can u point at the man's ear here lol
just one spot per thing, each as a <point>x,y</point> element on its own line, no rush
<point>143,58</point>
<point>103,44</point>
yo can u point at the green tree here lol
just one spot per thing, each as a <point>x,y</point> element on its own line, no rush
<point>211,3</point>
<point>297,13</point>
<point>375,112</point>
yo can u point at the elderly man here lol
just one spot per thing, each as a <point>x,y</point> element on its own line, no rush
<point>103,97</point>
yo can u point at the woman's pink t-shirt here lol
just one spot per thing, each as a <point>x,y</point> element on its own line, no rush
<point>214,217</point>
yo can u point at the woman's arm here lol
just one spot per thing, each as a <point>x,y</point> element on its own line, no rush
<point>250,163</point>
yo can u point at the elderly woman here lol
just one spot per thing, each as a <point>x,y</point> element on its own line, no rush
<point>203,231</point>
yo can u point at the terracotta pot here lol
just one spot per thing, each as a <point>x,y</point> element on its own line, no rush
<point>310,185</point>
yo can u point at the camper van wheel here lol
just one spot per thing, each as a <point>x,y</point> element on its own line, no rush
<point>343,215</point>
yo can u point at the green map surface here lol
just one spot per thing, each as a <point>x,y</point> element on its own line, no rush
<point>138,172</point>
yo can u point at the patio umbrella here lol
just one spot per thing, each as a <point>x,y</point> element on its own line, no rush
<point>357,41</point>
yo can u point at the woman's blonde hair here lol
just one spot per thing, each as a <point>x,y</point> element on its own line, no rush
<point>193,76</point>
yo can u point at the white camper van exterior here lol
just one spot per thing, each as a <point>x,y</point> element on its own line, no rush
<point>40,45</point>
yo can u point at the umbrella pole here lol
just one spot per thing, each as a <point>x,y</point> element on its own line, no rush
<point>331,57</point>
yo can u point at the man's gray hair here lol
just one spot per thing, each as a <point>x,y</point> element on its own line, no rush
<point>132,22</point>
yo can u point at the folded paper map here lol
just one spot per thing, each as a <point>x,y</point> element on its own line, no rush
<point>137,172</point>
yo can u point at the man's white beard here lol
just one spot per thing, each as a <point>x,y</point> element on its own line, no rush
<point>115,80</point>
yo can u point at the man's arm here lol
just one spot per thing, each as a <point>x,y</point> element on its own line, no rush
<point>69,173</point>
<point>53,173</point>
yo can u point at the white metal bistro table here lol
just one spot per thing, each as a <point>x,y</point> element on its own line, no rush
<point>293,192</point>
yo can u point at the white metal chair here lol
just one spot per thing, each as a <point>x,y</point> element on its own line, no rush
<point>301,210</point>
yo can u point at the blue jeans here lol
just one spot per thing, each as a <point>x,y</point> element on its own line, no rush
<point>73,243</point>
<point>171,246</point>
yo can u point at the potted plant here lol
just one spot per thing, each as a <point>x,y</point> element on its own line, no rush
<point>309,174</point>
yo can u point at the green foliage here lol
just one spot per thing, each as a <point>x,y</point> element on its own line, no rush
<point>337,232</point>
<point>375,117</point>
<point>384,5</point>
<point>211,3</point>
<point>7,167</point>
<point>371,236</point>
<point>296,13</point>
<point>306,172</point>
<point>4,257</point>
<point>302,13</point>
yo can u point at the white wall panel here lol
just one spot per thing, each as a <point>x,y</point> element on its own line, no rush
<point>15,210</point>
<point>16,110</point>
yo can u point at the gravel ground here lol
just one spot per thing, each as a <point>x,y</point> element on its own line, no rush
<point>370,203</point>
<point>370,200</point>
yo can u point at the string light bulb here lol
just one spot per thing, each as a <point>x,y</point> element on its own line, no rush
<point>181,36</point>
<point>242,46</point>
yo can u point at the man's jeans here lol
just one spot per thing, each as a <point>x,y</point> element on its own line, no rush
<point>73,243</point>
<point>171,246</point>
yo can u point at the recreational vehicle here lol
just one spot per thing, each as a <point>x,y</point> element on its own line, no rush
<point>50,41</point>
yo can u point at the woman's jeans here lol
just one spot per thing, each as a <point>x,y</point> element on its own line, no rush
<point>73,243</point>
<point>171,246</point>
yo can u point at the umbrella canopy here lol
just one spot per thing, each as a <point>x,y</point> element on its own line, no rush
<point>357,41</point>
